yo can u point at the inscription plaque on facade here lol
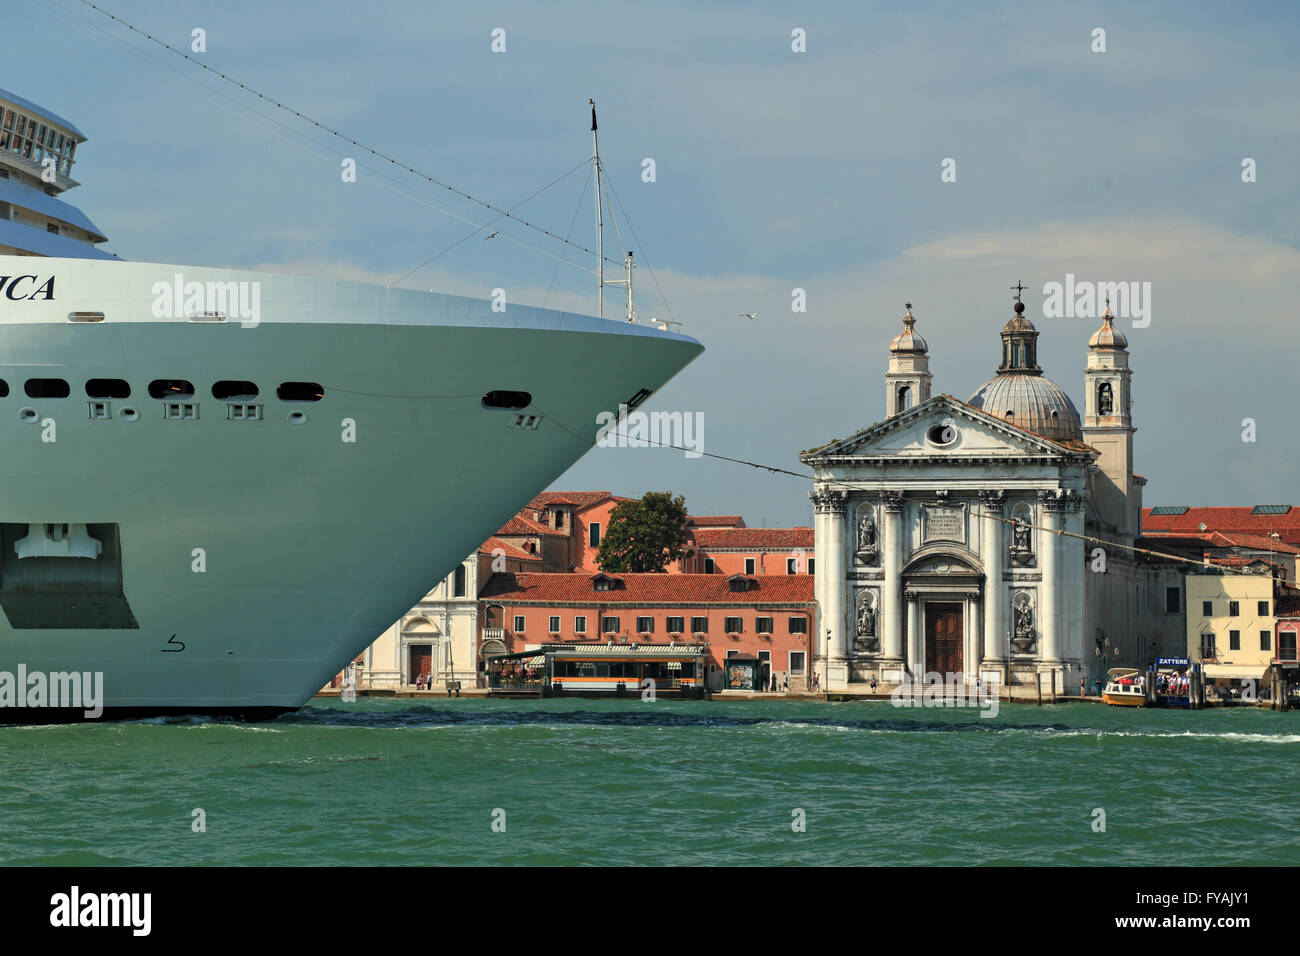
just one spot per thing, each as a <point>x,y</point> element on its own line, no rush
<point>945,522</point>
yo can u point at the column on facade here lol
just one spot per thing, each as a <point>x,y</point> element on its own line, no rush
<point>915,658</point>
<point>992,549</point>
<point>891,593</point>
<point>815,642</point>
<point>1072,626</point>
<point>830,565</point>
<point>1049,547</point>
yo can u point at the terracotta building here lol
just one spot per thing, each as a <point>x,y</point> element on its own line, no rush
<point>767,618</point>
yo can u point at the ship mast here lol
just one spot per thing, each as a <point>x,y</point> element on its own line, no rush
<point>601,281</point>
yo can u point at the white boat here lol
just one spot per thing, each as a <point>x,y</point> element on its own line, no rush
<point>217,486</point>
<point>1124,688</point>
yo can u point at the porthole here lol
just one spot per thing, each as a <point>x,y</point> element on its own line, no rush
<point>507,400</point>
<point>28,415</point>
<point>4,388</point>
<point>227,391</point>
<point>171,388</point>
<point>47,388</point>
<point>128,414</point>
<point>300,392</point>
<point>296,418</point>
<point>107,388</point>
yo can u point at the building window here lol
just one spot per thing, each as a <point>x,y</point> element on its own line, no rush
<point>1234,609</point>
<point>458,582</point>
<point>1207,608</point>
<point>796,662</point>
<point>904,398</point>
<point>708,565</point>
<point>798,625</point>
<point>749,565</point>
<point>791,566</point>
<point>1263,609</point>
<point>699,625</point>
<point>555,624</point>
<point>1265,640</point>
<point>593,530</point>
<point>1173,600</point>
<point>675,625</point>
<point>519,624</point>
<point>763,625</point>
<point>609,625</point>
<point>733,625</point>
<point>1207,647</point>
<point>1286,645</point>
<point>580,624</point>
<point>645,625</point>
<point>811,565</point>
<point>1234,640</point>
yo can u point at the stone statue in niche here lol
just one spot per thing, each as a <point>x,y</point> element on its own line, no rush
<point>867,638</point>
<point>1022,552</point>
<point>1105,399</point>
<point>867,545</point>
<point>1023,635</point>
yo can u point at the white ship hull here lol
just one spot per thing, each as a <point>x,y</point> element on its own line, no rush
<point>310,545</point>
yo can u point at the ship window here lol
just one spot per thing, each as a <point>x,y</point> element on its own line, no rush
<point>300,392</point>
<point>224,391</point>
<point>4,388</point>
<point>107,388</point>
<point>505,399</point>
<point>171,388</point>
<point>47,388</point>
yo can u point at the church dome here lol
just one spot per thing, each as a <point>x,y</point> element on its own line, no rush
<point>1107,337</point>
<point>908,340</point>
<point>1020,393</point>
<point>1030,401</point>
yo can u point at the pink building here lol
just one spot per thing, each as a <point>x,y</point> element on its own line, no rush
<point>764,617</point>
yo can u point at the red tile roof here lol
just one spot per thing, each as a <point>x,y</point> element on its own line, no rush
<point>716,521</point>
<point>522,524</point>
<point>581,499</point>
<point>1217,539</point>
<point>491,545</point>
<point>1287,604</point>
<point>756,539</point>
<point>661,589</point>
<point>1228,520</point>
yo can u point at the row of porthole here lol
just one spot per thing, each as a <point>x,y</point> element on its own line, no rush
<point>30,416</point>
<point>167,388</point>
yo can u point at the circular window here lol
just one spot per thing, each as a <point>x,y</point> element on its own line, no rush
<point>944,433</point>
<point>296,418</point>
<point>28,415</point>
<point>128,414</point>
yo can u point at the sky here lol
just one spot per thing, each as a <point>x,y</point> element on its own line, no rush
<point>775,170</point>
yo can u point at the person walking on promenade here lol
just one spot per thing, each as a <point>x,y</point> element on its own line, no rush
<point>873,683</point>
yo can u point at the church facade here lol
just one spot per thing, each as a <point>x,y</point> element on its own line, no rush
<point>953,536</point>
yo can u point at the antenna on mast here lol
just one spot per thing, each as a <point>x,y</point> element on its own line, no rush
<point>600,223</point>
<point>601,281</point>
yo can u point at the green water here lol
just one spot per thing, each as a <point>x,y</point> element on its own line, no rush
<point>614,782</point>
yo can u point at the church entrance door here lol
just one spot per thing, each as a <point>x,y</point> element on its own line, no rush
<point>943,638</point>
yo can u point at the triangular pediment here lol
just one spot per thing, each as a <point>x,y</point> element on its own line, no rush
<point>943,427</point>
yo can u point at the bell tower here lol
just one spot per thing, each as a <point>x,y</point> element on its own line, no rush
<point>1108,427</point>
<point>907,383</point>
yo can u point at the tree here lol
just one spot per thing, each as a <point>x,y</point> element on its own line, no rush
<point>644,535</point>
